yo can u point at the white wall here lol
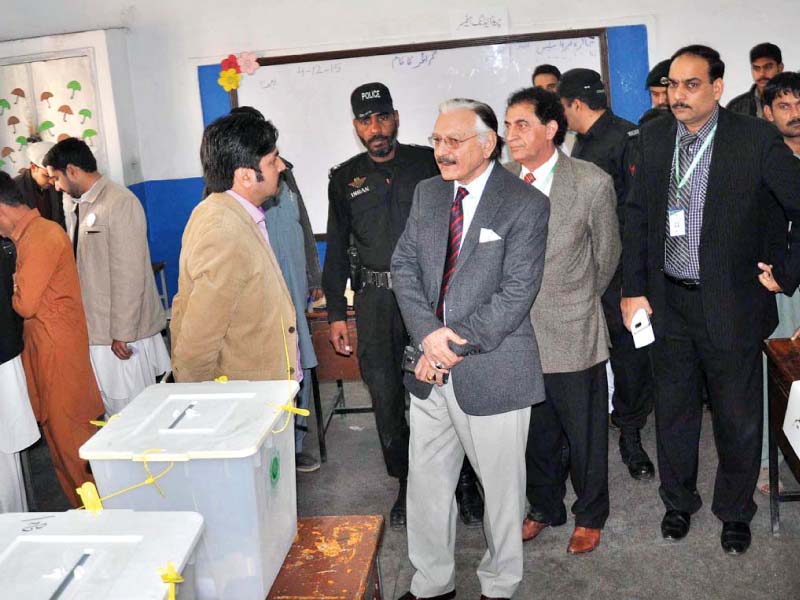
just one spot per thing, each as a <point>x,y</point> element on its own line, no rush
<point>169,38</point>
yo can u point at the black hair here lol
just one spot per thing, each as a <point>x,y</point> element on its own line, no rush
<point>247,111</point>
<point>232,142</point>
<point>547,107</point>
<point>594,101</point>
<point>766,50</point>
<point>488,118</point>
<point>787,82</point>
<point>70,151</point>
<point>716,68</point>
<point>546,70</point>
<point>9,192</point>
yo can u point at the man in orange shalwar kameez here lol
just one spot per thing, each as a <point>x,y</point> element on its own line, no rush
<point>47,295</point>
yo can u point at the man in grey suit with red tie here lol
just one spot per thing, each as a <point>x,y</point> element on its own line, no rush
<point>465,272</point>
<point>583,250</point>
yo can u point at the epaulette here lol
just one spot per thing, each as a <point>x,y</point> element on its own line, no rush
<point>342,164</point>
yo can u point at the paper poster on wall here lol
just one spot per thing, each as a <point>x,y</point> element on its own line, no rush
<point>52,99</point>
<point>17,119</point>
<point>66,103</point>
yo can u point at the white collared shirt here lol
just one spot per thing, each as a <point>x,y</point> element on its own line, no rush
<point>543,174</point>
<point>470,202</point>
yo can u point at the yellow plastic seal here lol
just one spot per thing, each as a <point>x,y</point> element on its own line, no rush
<point>222,379</point>
<point>303,412</point>
<point>103,423</point>
<point>170,576</point>
<point>91,499</point>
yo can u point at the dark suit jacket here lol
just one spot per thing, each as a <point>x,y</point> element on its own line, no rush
<point>490,293</point>
<point>749,162</point>
<point>10,322</point>
<point>47,201</point>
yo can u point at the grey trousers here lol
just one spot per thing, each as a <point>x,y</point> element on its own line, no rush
<point>441,433</point>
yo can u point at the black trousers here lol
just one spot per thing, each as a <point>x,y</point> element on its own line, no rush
<point>382,337</point>
<point>575,410</point>
<point>680,359</point>
<point>633,387</point>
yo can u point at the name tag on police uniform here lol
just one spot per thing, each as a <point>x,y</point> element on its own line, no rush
<point>677,222</point>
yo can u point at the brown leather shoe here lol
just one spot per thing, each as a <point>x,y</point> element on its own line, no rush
<point>410,596</point>
<point>531,528</point>
<point>584,539</point>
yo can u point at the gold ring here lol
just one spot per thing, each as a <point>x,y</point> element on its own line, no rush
<point>431,378</point>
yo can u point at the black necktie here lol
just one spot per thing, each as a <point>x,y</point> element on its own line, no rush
<point>677,247</point>
<point>75,231</point>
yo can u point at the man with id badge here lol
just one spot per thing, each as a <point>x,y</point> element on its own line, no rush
<point>696,224</point>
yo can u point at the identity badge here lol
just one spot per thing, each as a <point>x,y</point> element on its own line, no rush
<point>677,222</point>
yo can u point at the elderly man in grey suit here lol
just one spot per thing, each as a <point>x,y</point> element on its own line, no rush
<point>583,249</point>
<point>465,272</point>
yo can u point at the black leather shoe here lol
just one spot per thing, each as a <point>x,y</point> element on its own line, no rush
<point>735,538</point>
<point>468,497</point>
<point>675,525</point>
<point>410,596</point>
<point>397,516</point>
<point>633,455</point>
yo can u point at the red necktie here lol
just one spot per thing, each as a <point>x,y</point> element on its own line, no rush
<point>529,178</point>
<point>453,246</point>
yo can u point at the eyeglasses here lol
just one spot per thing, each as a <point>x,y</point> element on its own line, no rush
<point>451,142</point>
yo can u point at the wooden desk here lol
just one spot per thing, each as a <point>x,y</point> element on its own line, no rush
<point>332,367</point>
<point>783,368</point>
<point>335,558</point>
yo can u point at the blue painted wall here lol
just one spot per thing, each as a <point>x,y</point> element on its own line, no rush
<point>628,67</point>
<point>167,206</point>
<point>168,203</point>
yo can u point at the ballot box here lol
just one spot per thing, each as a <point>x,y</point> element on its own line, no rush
<point>225,450</point>
<point>113,554</point>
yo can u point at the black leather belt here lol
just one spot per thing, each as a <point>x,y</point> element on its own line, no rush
<point>689,284</point>
<point>381,279</point>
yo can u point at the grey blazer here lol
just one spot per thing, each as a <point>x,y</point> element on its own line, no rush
<point>583,251</point>
<point>490,294</point>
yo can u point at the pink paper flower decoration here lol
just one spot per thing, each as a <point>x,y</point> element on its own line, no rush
<point>248,62</point>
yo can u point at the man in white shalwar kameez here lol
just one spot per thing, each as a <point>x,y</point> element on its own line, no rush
<point>123,311</point>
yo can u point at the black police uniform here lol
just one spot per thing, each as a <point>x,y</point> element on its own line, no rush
<point>610,144</point>
<point>371,201</point>
<point>10,322</point>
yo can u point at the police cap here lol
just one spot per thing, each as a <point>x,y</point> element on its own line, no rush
<point>581,83</point>
<point>371,99</point>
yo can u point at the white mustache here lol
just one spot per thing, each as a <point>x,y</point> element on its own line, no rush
<point>446,160</point>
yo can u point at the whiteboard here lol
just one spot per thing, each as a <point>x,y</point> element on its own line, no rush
<point>309,101</point>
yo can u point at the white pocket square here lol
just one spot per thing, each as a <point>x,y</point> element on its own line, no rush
<point>487,235</point>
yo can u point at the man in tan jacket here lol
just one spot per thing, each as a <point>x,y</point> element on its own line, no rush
<point>233,314</point>
<point>123,312</point>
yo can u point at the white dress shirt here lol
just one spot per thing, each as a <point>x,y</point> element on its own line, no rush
<point>543,174</point>
<point>470,202</point>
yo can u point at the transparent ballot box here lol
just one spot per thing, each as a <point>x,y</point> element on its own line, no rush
<point>225,450</point>
<point>114,554</point>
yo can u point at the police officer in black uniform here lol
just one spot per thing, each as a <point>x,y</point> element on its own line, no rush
<point>609,142</point>
<point>656,84</point>
<point>369,201</point>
